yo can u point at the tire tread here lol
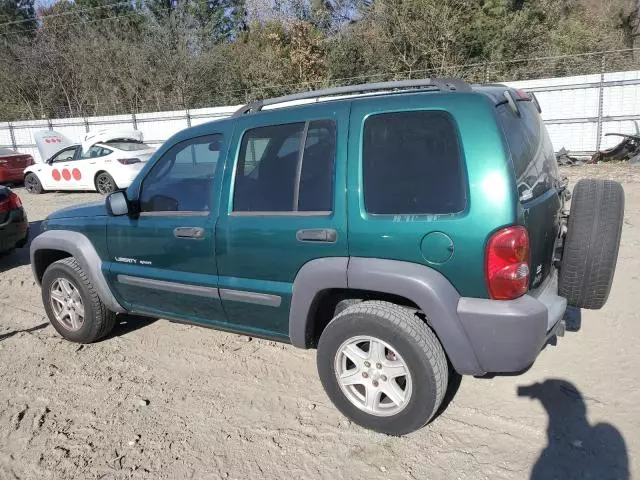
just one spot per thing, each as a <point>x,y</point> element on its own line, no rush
<point>592,244</point>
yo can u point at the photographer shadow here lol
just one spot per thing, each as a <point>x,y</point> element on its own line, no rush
<point>575,449</point>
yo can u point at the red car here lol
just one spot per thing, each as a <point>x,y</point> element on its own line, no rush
<point>14,226</point>
<point>12,164</point>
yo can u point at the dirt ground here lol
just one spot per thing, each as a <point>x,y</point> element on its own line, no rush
<point>158,400</point>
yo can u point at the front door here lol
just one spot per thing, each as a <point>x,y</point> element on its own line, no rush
<point>163,263</point>
<point>285,207</point>
<point>61,170</point>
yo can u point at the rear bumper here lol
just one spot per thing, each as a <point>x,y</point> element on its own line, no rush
<point>14,230</point>
<point>507,336</point>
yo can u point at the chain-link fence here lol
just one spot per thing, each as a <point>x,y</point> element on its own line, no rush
<point>583,97</point>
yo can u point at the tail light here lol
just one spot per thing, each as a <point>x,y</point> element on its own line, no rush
<point>10,203</point>
<point>507,263</point>
<point>129,161</point>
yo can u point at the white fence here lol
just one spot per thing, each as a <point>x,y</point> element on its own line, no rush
<point>578,112</point>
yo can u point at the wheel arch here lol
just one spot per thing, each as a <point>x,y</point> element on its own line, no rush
<point>55,245</point>
<point>321,281</point>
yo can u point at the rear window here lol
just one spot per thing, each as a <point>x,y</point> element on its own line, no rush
<point>128,145</point>
<point>412,164</point>
<point>532,153</point>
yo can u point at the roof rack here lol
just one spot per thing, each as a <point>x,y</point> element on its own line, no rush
<point>442,84</point>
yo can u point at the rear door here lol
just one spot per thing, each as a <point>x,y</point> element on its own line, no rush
<point>537,179</point>
<point>285,207</point>
<point>87,166</point>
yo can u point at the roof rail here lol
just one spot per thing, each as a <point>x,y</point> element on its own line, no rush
<point>442,84</point>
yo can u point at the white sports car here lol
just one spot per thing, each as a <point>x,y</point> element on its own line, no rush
<point>104,161</point>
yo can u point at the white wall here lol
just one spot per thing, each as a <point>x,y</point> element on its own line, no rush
<point>570,108</point>
<point>571,103</point>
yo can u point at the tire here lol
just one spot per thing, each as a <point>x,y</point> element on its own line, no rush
<point>407,339</point>
<point>32,184</point>
<point>105,184</point>
<point>344,304</point>
<point>592,243</point>
<point>98,321</point>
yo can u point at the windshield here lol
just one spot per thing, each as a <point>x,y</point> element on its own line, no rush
<point>128,145</point>
<point>7,151</point>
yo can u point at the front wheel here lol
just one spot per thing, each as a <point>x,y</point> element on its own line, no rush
<point>32,183</point>
<point>382,367</point>
<point>105,184</point>
<point>72,303</point>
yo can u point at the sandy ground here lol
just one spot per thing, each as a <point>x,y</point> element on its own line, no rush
<point>158,400</point>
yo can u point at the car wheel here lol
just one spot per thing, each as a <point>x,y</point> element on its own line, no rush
<point>72,303</point>
<point>32,183</point>
<point>382,367</point>
<point>593,240</point>
<point>105,183</point>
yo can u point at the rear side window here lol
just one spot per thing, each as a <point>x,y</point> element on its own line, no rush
<point>286,168</point>
<point>532,153</point>
<point>412,164</point>
<point>96,152</point>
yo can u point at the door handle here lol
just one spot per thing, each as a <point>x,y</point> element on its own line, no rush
<point>189,232</point>
<point>326,235</point>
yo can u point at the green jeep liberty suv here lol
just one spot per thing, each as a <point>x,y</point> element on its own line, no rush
<point>411,234</point>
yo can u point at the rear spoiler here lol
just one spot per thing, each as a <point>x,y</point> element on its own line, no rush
<point>512,96</point>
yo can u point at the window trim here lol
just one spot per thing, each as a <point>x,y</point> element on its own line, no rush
<point>319,213</point>
<point>296,193</point>
<point>169,213</point>
<point>54,159</point>
<point>464,177</point>
<point>180,213</point>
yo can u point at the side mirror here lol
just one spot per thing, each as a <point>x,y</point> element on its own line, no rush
<point>117,204</point>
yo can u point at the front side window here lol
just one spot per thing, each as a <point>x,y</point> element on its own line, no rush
<point>65,155</point>
<point>286,168</point>
<point>182,180</point>
<point>412,164</point>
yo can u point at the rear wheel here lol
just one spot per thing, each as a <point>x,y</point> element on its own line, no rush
<point>32,183</point>
<point>382,367</point>
<point>105,183</point>
<point>592,243</point>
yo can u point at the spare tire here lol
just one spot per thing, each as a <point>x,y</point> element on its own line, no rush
<point>592,243</point>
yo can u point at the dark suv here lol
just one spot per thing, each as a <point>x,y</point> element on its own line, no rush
<point>410,234</point>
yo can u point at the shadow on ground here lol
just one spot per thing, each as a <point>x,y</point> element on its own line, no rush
<point>20,256</point>
<point>575,449</point>
<point>4,336</point>
<point>127,323</point>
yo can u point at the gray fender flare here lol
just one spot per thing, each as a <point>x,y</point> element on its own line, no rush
<point>424,286</point>
<point>79,247</point>
<point>312,279</point>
